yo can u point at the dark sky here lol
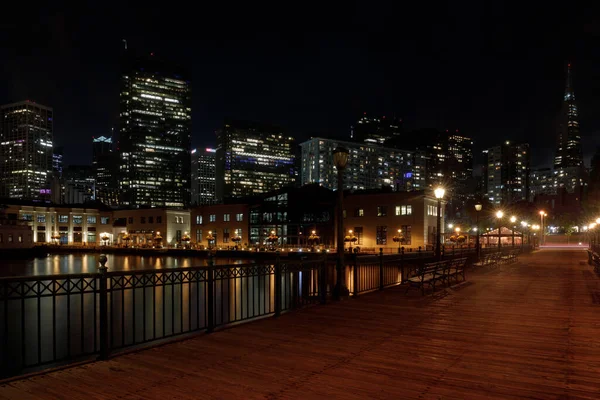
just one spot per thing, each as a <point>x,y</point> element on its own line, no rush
<point>495,71</point>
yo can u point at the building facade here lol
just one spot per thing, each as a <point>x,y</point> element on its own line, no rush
<point>62,224</point>
<point>251,159</point>
<point>104,163</point>
<point>26,157</point>
<point>508,172</point>
<point>224,222</point>
<point>292,214</point>
<point>376,130</point>
<point>154,134</point>
<point>204,190</point>
<point>144,225</point>
<point>375,219</point>
<point>369,166</point>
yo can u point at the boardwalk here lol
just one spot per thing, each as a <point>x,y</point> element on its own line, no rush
<point>527,330</point>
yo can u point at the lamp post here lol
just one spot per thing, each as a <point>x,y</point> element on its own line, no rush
<point>340,160</point>
<point>542,215</point>
<point>439,195</point>
<point>478,208</point>
<point>499,215</point>
<point>524,226</point>
<point>398,239</point>
<point>513,219</point>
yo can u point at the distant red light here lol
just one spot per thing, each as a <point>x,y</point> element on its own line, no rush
<point>152,54</point>
<point>384,117</point>
<point>457,130</point>
<point>365,113</point>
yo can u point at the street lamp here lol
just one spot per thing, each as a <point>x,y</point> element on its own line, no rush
<point>439,195</point>
<point>499,215</point>
<point>478,208</point>
<point>542,215</point>
<point>340,160</point>
<point>524,226</point>
<point>513,219</point>
<point>398,239</point>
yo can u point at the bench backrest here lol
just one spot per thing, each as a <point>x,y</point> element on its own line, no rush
<point>431,268</point>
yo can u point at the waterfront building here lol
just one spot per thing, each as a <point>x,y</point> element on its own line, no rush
<point>26,158</point>
<point>224,222</point>
<point>73,225</point>
<point>204,176</point>
<point>369,166</point>
<point>144,225</point>
<point>154,134</point>
<point>375,217</point>
<point>251,159</point>
<point>507,172</point>
<point>293,213</point>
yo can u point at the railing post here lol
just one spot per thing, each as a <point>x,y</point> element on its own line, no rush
<point>278,287</point>
<point>402,276</point>
<point>323,281</point>
<point>355,275</point>
<point>210,294</point>
<point>103,278</point>
<point>381,268</point>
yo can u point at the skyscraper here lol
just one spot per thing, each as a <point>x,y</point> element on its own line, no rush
<point>104,164</point>
<point>508,172</point>
<point>568,142</point>
<point>369,166</point>
<point>376,130</point>
<point>154,134</point>
<point>252,158</point>
<point>26,140</point>
<point>204,176</point>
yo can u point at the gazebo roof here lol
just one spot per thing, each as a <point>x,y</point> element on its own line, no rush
<point>504,231</point>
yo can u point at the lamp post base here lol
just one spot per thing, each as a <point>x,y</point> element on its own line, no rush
<point>340,293</point>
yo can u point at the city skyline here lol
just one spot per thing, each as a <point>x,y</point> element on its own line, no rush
<point>506,82</point>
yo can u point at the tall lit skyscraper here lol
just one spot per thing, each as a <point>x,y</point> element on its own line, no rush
<point>104,163</point>
<point>154,134</point>
<point>26,135</point>
<point>204,176</point>
<point>568,141</point>
<point>252,159</point>
<point>508,172</point>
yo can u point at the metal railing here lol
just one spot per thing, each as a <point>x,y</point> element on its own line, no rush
<point>52,320</point>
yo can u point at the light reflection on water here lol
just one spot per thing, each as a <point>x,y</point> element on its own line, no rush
<point>86,263</point>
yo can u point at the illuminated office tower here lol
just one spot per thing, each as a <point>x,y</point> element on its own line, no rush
<point>568,141</point>
<point>507,172</point>
<point>26,137</point>
<point>252,158</point>
<point>204,176</point>
<point>369,166</point>
<point>104,163</point>
<point>154,134</point>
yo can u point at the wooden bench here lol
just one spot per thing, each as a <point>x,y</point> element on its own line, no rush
<point>489,259</point>
<point>511,256</point>
<point>428,274</point>
<point>456,269</point>
<point>595,261</point>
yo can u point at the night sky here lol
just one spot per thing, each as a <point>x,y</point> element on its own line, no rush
<point>493,71</point>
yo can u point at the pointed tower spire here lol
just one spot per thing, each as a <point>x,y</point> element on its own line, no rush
<point>569,93</point>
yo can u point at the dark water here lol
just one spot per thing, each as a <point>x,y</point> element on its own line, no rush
<point>86,263</point>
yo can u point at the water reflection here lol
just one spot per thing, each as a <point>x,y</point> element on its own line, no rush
<point>86,263</point>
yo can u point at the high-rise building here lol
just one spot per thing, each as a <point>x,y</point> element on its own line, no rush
<point>57,160</point>
<point>104,164</point>
<point>568,141</point>
<point>204,176</point>
<point>252,158</point>
<point>79,184</point>
<point>154,134</point>
<point>369,166</point>
<point>507,168</point>
<point>26,140</point>
<point>460,156</point>
<point>375,130</point>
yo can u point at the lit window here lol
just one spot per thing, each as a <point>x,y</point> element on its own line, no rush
<point>77,219</point>
<point>199,219</point>
<point>212,217</point>
<point>41,218</point>
<point>226,218</point>
<point>63,218</point>
<point>239,217</point>
<point>359,212</point>
<point>381,211</point>
<point>91,219</point>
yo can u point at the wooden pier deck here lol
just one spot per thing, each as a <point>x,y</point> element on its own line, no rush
<point>526,330</point>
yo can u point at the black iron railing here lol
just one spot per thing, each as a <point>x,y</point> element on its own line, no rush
<point>49,320</point>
